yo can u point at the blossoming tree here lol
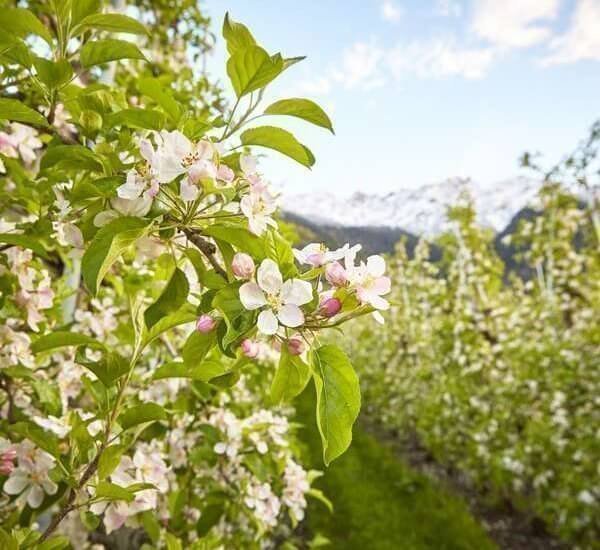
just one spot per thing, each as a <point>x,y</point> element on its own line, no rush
<point>146,289</point>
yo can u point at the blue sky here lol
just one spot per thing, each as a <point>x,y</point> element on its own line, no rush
<point>419,91</point>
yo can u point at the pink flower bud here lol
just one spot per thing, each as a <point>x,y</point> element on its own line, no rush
<point>205,324</point>
<point>6,467</point>
<point>295,345</point>
<point>249,348</point>
<point>330,307</point>
<point>242,266</point>
<point>225,173</point>
<point>336,274</point>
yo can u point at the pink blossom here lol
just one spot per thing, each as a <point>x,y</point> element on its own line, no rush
<point>336,274</point>
<point>250,348</point>
<point>224,173</point>
<point>205,324</point>
<point>243,266</point>
<point>295,345</point>
<point>330,307</point>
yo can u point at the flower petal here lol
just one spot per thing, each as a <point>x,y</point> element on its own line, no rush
<point>35,496</point>
<point>382,285</point>
<point>269,277</point>
<point>297,292</point>
<point>16,483</point>
<point>267,322</point>
<point>251,296</point>
<point>376,266</point>
<point>291,315</point>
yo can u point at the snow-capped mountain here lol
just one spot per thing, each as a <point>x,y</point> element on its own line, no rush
<point>420,211</point>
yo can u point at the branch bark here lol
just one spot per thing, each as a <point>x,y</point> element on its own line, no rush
<point>207,248</point>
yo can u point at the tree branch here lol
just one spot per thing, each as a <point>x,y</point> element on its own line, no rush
<point>207,248</point>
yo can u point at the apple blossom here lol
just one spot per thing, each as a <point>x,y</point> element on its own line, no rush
<point>279,301</point>
<point>317,254</point>
<point>330,306</point>
<point>205,324</point>
<point>258,206</point>
<point>243,266</point>
<point>250,348</point>
<point>30,478</point>
<point>336,274</point>
<point>369,282</point>
<point>295,345</point>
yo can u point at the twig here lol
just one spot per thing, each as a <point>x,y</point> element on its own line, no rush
<point>207,248</point>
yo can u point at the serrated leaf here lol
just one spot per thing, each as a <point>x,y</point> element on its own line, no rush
<point>301,108</point>
<point>171,299</point>
<point>111,22</point>
<point>252,68</point>
<point>14,110</point>
<point>157,91</point>
<point>290,378</point>
<point>22,22</point>
<point>145,119</point>
<point>97,52</point>
<point>280,140</point>
<point>108,369</point>
<point>61,339</point>
<point>240,237</point>
<point>53,73</point>
<point>74,157</point>
<point>109,460</point>
<point>338,399</point>
<point>111,491</point>
<point>107,246</point>
<point>236,35</point>
<point>197,346</point>
<point>139,414</point>
<point>24,241</point>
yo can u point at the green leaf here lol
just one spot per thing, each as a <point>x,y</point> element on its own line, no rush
<point>107,246</point>
<point>290,378</point>
<point>301,108</point>
<point>145,119</point>
<point>109,460</point>
<point>151,525</point>
<point>110,491</point>
<point>278,249</point>
<point>56,542</point>
<point>14,110</point>
<point>184,315</point>
<point>338,399</point>
<point>71,157</point>
<point>172,298</point>
<point>24,241</point>
<point>80,9</point>
<point>173,543</point>
<point>48,396</point>
<point>61,339</point>
<point>157,91</point>
<point>108,369</point>
<point>53,73</point>
<point>237,319</point>
<point>22,22</point>
<point>97,52</point>
<point>319,495</point>
<point>147,412</point>
<point>111,22</point>
<point>238,236</point>
<point>197,346</point>
<point>280,140</point>
<point>252,68</point>
<point>237,36</point>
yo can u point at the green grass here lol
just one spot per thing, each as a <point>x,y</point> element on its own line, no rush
<point>380,503</point>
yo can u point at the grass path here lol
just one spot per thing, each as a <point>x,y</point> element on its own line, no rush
<point>380,503</point>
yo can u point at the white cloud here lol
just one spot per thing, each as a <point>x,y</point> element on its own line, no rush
<point>514,23</point>
<point>582,38</point>
<point>439,58</point>
<point>448,8</point>
<point>360,66</point>
<point>390,11</point>
<point>316,86</point>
